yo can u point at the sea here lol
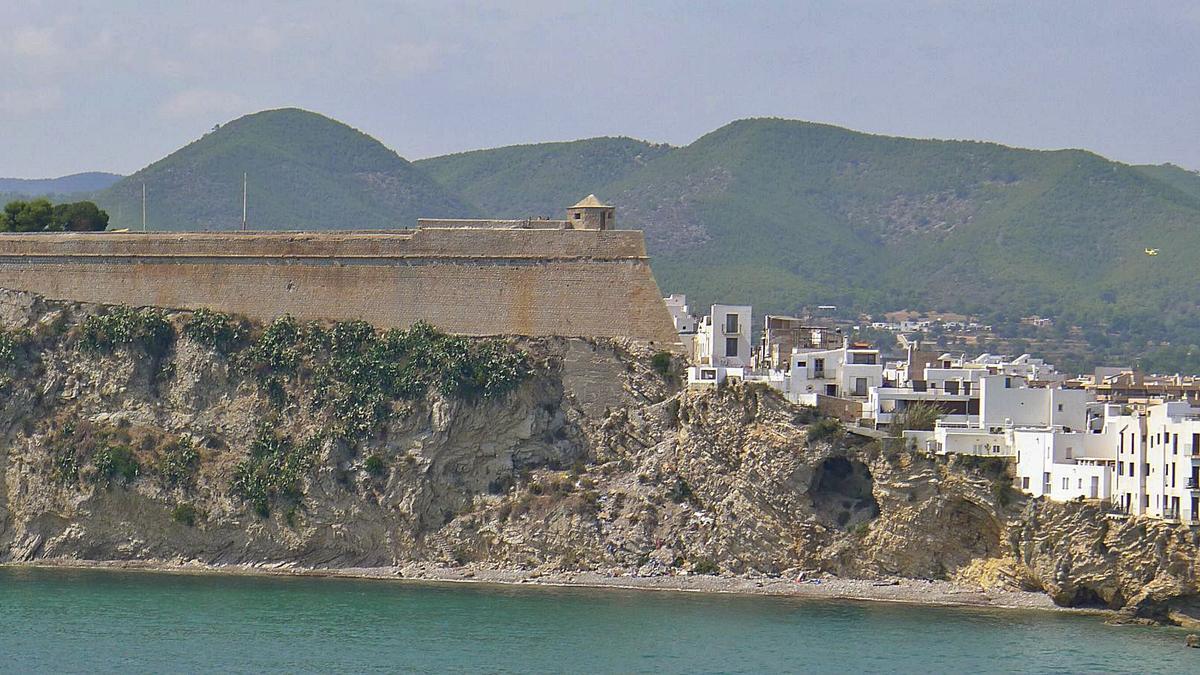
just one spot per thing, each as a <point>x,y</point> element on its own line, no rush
<point>77,621</point>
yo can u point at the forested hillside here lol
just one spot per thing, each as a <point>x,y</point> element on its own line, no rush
<point>784,214</point>
<point>779,213</point>
<point>305,171</point>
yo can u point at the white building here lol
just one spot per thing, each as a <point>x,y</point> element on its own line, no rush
<point>685,323</point>
<point>722,345</point>
<point>1158,461</point>
<point>850,371</point>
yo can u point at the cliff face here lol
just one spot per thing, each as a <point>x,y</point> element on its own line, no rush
<point>172,449</point>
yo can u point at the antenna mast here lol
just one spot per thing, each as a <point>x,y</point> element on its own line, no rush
<point>143,206</point>
<point>243,202</point>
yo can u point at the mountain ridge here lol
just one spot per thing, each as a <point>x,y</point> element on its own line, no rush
<point>783,214</point>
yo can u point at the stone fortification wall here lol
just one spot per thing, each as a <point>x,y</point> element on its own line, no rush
<point>524,223</point>
<point>471,281</point>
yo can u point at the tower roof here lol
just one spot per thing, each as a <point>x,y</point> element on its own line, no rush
<point>590,202</point>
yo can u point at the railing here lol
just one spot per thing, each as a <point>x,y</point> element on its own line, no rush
<point>1193,484</point>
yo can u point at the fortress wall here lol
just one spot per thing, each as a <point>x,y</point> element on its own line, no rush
<point>477,285</point>
<point>450,242</point>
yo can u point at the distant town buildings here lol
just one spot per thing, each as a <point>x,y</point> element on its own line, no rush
<point>1119,437</point>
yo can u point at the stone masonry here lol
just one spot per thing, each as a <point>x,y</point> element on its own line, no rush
<point>475,281</point>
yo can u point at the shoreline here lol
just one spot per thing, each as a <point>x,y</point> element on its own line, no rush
<point>895,591</point>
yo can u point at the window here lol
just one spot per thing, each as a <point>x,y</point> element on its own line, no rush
<point>578,215</point>
<point>1059,407</point>
<point>731,346</point>
<point>1025,482</point>
<point>731,323</point>
<point>1147,473</point>
<point>951,387</point>
<point>1175,445</point>
<point>1008,383</point>
<point>1066,483</point>
<point>966,388</point>
<point>819,367</point>
<point>801,364</point>
<point>1120,468</point>
<point>708,374</point>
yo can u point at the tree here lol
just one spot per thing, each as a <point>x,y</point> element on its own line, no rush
<point>80,217</point>
<point>39,216</point>
<point>35,217</point>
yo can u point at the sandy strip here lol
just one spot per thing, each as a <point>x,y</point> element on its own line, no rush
<point>908,591</point>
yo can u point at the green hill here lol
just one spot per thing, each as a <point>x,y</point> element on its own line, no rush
<point>539,180</point>
<point>65,185</point>
<point>782,214</point>
<point>786,214</point>
<point>305,171</point>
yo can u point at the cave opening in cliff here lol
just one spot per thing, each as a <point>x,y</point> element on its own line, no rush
<point>842,492</point>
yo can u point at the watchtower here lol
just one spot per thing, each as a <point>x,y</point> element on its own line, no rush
<point>590,214</point>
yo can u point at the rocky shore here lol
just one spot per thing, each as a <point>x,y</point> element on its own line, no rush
<point>817,586</point>
<point>144,438</point>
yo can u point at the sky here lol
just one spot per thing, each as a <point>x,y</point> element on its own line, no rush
<point>114,85</point>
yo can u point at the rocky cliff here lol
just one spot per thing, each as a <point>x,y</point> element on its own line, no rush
<point>144,435</point>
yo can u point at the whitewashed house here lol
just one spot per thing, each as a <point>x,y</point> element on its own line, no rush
<point>850,371</point>
<point>722,345</point>
<point>685,323</point>
<point>1158,461</point>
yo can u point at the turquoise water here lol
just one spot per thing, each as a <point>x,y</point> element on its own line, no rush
<point>71,621</point>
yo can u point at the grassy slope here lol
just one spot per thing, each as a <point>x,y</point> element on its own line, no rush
<point>305,171</point>
<point>539,180</point>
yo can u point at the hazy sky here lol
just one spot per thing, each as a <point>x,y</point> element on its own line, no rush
<point>114,85</point>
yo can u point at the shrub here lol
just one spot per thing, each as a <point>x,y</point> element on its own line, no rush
<point>705,566</point>
<point>215,330</point>
<point>275,468</point>
<point>64,467</point>
<point>114,462</point>
<point>185,514</point>
<point>681,492</point>
<point>375,465</point>
<point>661,362</point>
<point>124,325</point>
<point>8,350</point>
<point>277,349</point>
<point>824,428</point>
<point>178,461</point>
<point>918,416</point>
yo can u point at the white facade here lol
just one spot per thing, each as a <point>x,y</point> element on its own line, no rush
<point>1064,465</point>
<point>848,372</point>
<point>722,345</point>
<point>1158,461</point>
<point>685,323</point>
<point>723,337</point>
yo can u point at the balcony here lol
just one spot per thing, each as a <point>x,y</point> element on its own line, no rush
<point>1192,484</point>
